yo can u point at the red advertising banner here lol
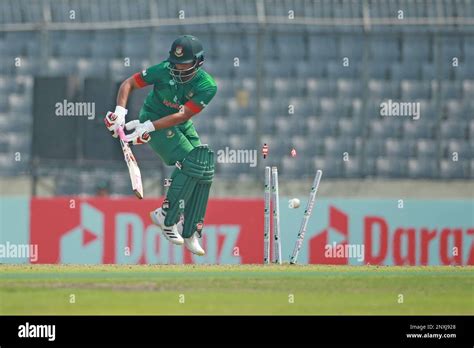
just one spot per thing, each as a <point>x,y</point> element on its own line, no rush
<point>75,230</point>
<point>377,232</point>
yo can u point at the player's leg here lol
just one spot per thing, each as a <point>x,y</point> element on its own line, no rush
<point>190,142</point>
<point>192,170</point>
<point>170,145</point>
<point>195,210</point>
<point>188,194</point>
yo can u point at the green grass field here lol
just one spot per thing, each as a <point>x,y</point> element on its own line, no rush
<point>243,289</point>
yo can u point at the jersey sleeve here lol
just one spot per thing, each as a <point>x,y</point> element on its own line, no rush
<point>150,76</point>
<point>201,99</point>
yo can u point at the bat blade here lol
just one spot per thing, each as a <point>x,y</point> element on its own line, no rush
<point>133,169</point>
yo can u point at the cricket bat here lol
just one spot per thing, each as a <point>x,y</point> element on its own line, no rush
<point>133,170</point>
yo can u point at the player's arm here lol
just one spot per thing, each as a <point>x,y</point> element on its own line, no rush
<point>133,82</point>
<point>116,119</point>
<point>192,107</point>
<point>188,110</point>
<point>181,116</point>
<point>142,130</point>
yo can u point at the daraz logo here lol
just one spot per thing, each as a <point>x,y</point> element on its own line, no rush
<point>84,243</point>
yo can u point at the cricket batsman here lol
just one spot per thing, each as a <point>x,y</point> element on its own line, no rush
<point>181,89</point>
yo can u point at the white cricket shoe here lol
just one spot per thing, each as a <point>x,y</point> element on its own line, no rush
<point>170,232</point>
<point>192,243</point>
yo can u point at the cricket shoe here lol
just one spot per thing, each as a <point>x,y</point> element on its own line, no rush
<point>191,243</point>
<point>170,232</point>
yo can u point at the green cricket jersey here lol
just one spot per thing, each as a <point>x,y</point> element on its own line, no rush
<point>166,98</point>
<point>167,95</point>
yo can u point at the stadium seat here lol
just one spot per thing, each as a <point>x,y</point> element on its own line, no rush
<point>451,90</point>
<point>458,109</point>
<point>218,108</point>
<point>272,107</point>
<point>468,89</point>
<point>28,66</point>
<point>454,170</point>
<point>336,70</point>
<point>321,88</point>
<point>450,47</point>
<point>381,89</point>
<point>422,168</point>
<point>464,71</point>
<point>384,128</point>
<point>405,71</point>
<point>338,147</point>
<point>12,49</point>
<point>428,72</point>
<point>305,70</point>
<point>413,90</point>
<point>61,67</point>
<point>329,107</point>
<point>374,147</point>
<point>302,106</point>
<point>351,46</point>
<point>453,130</point>
<point>226,88</point>
<point>418,129</point>
<point>73,48</point>
<point>119,71</point>
<point>100,49</point>
<point>294,167</point>
<point>229,49</point>
<point>353,168</point>
<point>391,167</point>
<point>92,68</point>
<point>378,70</point>
<point>349,127</point>
<point>304,149</point>
<point>426,149</point>
<point>322,48</point>
<point>321,127</point>
<point>459,147</point>
<point>332,167</point>
<point>277,146</point>
<point>356,109</point>
<point>349,88</point>
<point>399,148</point>
<point>290,125</point>
<point>136,49</point>
<point>19,104</point>
<point>288,88</point>
<point>416,48</point>
<point>3,103</point>
<point>386,49</point>
<point>291,45</point>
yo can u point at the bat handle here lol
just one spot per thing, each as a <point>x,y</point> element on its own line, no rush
<point>122,134</point>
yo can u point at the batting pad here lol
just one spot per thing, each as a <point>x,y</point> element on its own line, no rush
<point>195,210</point>
<point>195,172</point>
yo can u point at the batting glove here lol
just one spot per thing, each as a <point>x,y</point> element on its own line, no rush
<point>141,132</point>
<point>116,119</point>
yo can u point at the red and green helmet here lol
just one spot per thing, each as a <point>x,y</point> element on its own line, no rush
<point>184,50</point>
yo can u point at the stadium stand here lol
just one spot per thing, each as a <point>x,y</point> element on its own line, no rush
<point>334,78</point>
